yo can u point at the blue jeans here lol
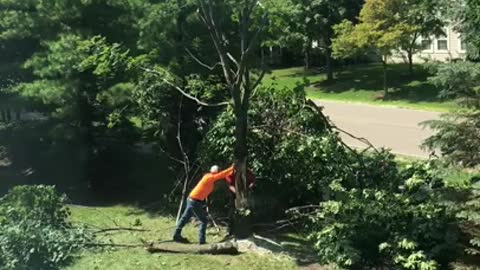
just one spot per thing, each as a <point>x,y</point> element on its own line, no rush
<point>197,209</point>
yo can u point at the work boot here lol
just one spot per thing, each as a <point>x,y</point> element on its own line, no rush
<point>180,239</point>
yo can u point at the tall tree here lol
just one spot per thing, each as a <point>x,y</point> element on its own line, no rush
<point>380,31</point>
<point>425,17</point>
<point>319,17</point>
<point>78,69</point>
<point>467,13</point>
<point>251,17</point>
<point>81,82</point>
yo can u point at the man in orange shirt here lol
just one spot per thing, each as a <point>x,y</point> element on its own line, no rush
<point>196,203</point>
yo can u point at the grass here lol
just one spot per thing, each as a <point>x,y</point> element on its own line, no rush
<point>364,84</point>
<point>161,228</point>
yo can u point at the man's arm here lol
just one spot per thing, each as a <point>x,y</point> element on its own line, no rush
<point>232,188</point>
<point>221,175</point>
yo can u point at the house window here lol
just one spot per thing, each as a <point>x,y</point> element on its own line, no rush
<point>442,42</point>
<point>426,44</point>
<point>463,44</point>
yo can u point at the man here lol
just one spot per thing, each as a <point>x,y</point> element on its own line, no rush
<point>196,203</point>
<point>230,179</point>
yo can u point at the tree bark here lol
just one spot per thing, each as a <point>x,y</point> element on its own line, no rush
<point>410,62</point>
<point>8,115</point>
<point>307,56</point>
<point>227,248</point>
<point>271,54</point>
<point>328,59</point>
<point>3,116</point>
<point>242,223</point>
<point>384,65</point>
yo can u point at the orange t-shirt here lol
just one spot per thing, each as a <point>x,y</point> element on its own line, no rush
<point>206,184</point>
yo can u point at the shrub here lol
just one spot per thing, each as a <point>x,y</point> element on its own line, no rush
<point>403,227</point>
<point>35,230</point>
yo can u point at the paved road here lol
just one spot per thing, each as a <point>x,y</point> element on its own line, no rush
<point>394,128</point>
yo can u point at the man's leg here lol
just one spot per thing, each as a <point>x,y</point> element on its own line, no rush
<point>201,214</point>
<point>187,214</point>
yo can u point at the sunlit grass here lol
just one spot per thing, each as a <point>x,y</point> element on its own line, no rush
<point>364,84</point>
<point>160,228</point>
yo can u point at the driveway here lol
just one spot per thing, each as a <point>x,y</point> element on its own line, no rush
<point>394,128</point>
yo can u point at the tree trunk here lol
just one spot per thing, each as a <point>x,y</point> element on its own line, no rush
<point>227,248</point>
<point>307,56</point>
<point>410,63</point>
<point>271,54</point>
<point>3,116</point>
<point>328,59</point>
<point>243,222</point>
<point>8,115</point>
<point>18,115</point>
<point>384,65</point>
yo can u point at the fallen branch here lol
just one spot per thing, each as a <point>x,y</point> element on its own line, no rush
<point>331,126</point>
<point>302,207</point>
<point>121,229</point>
<point>227,248</point>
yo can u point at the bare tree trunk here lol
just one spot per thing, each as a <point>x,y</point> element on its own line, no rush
<point>328,59</point>
<point>271,55</point>
<point>8,115</point>
<point>307,51</point>
<point>243,225</point>
<point>384,65</point>
<point>227,248</point>
<point>306,59</point>
<point>410,62</point>
<point>186,160</point>
<point>410,52</point>
<point>3,115</point>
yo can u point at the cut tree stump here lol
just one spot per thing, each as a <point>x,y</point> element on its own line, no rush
<point>226,248</point>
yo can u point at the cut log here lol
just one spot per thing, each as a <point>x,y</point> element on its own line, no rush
<point>226,248</point>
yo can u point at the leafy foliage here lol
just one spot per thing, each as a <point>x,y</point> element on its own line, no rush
<point>288,141</point>
<point>380,30</point>
<point>35,230</point>
<point>458,132</point>
<point>426,18</point>
<point>467,14</point>
<point>292,146</point>
<point>401,227</point>
<point>470,219</point>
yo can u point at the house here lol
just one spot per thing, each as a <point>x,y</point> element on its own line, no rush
<point>442,48</point>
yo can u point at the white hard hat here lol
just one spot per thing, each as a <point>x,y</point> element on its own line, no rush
<point>214,169</point>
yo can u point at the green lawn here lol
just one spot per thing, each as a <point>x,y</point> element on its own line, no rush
<point>161,228</point>
<point>364,84</point>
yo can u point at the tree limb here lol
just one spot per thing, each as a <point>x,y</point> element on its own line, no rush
<point>199,102</point>
<point>121,229</point>
<point>259,79</point>
<point>331,126</point>
<point>201,63</point>
<point>233,59</point>
<point>207,18</point>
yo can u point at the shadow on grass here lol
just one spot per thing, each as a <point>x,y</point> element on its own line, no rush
<point>403,86</point>
<point>119,173</point>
